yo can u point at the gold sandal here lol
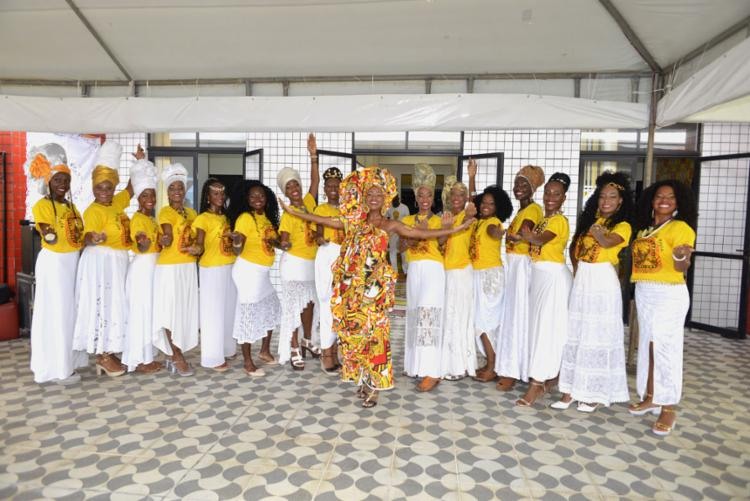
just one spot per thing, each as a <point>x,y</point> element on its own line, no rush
<point>527,401</point>
<point>644,407</point>
<point>660,428</point>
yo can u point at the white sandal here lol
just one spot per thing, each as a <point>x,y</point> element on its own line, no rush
<point>298,363</point>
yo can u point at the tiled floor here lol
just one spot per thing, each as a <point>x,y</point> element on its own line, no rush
<point>302,435</point>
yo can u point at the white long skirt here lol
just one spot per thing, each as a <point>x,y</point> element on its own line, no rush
<point>327,255</point>
<point>52,355</point>
<point>101,303</point>
<point>297,291</point>
<point>458,353</point>
<point>593,362</point>
<point>425,297</point>
<point>218,302</point>
<point>548,324</point>
<point>489,289</point>
<point>393,253</point>
<point>512,347</point>
<point>662,309</point>
<point>175,306</point>
<point>139,288</point>
<point>258,308</point>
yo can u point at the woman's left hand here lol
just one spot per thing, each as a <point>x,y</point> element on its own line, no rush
<point>682,252</point>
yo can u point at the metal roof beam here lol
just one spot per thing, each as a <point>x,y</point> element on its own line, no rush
<point>631,36</point>
<point>98,38</point>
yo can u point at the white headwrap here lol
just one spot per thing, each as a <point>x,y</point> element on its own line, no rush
<point>174,172</point>
<point>285,175</point>
<point>142,176</point>
<point>44,162</point>
<point>109,155</point>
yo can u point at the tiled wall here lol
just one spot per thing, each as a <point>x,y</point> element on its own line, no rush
<point>555,150</point>
<point>721,225</point>
<point>14,146</point>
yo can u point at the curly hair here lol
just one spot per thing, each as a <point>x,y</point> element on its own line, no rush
<point>503,205</point>
<point>238,203</point>
<point>588,216</point>
<point>205,204</point>
<point>687,210</point>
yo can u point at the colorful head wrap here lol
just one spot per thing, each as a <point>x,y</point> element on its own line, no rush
<point>354,187</point>
<point>533,174</point>
<point>102,173</point>
<point>174,172</point>
<point>44,162</point>
<point>142,177</point>
<point>424,175</point>
<point>450,183</point>
<point>285,175</point>
<point>332,173</point>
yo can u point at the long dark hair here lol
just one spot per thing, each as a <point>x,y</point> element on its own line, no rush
<point>503,205</point>
<point>204,194</point>
<point>238,203</point>
<point>588,216</point>
<point>686,208</point>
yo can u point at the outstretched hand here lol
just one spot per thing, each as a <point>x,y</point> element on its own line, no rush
<point>470,210</point>
<point>447,219</point>
<point>139,153</point>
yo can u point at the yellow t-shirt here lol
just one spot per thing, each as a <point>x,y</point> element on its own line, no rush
<point>652,253</point>
<point>257,230</point>
<point>424,249</point>
<point>330,234</point>
<point>217,249</point>
<point>110,219</point>
<point>301,233</point>
<point>67,224</point>
<point>554,250</point>
<point>485,250</point>
<point>532,212</point>
<point>142,223</point>
<point>457,246</point>
<point>588,249</point>
<point>182,235</point>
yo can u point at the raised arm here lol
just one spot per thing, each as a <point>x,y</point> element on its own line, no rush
<point>331,222</point>
<point>423,234</point>
<point>472,171</point>
<point>312,148</point>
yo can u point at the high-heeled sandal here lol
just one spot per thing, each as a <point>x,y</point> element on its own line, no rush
<point>328,370</point>
<point>297,362</point>
<point>362,391</point>
<point>106,364</point>
<point>307,345</point>
<point>528,401</point>
<point>371,400</point>
<point>644,407</point>
<point>662,429</point>
<point>180,370</point>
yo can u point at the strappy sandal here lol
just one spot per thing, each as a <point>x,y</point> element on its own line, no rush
<point>644,407</point>
<point>308,346</point>
<point>660,428</point>
<point>298,363</point>
<point>371,400</point>
<point>527,401</point>
<point>333,369</point>
<point>361,391</point>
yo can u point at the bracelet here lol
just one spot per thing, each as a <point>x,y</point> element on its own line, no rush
<point>237,246</point>
<point>473,194</point>
<point>313,158</point>
<point>678,258</point>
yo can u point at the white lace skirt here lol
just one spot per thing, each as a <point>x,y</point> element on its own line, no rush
<point>489,288</point>
<point>101,304</point>
<point>218,302</point>
<point>297,291</point>
<point>458,353</point>
<point>512,346</point>
<point>176,306</point>
<point>425,297</point>
<point>593,362</point>
<point>548,324</point>
<point>662,309</point>
<point>139,288</point>
<point>52,355</point>
<point>258,308</point>
<point>326,256</point>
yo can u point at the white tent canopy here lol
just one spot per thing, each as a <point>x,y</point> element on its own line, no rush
<point>600,53</point>
<point>720,92</point>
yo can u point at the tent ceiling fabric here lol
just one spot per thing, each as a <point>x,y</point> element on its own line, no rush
<point>179,39</point>
<point>718,92</point>
<point>448,112</point>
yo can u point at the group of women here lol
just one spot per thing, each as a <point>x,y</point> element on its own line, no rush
<point>528,318</point>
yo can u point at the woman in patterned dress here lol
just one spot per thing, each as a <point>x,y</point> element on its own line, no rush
<point>364,282</point>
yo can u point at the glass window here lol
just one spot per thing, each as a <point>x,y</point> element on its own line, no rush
<point>223,139</point>
<point>173,139</point>
<point>380,140</point>
<point>431,140</point>
<point>609,140</point>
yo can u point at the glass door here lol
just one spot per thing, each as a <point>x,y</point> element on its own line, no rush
<point>489,169</point>
<point>254,165</point>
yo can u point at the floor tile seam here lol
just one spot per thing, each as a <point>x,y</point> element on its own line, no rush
<point>185,474</point>
<point>329,461</point>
